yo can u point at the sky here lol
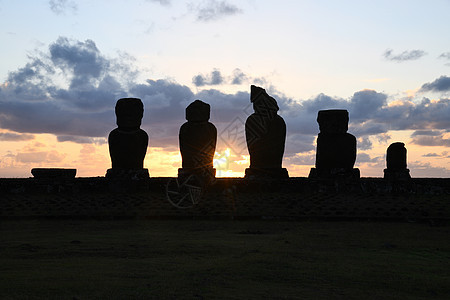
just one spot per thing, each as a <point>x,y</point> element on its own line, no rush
<point>65,63</point>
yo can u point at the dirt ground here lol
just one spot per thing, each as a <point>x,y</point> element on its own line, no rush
<point>198,259</point>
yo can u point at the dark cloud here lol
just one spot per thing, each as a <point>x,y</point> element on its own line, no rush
<point>426,132</point>
<point>238,77</point>
<point>365,158</point>
<point>81,59</point>
<point>199,80</point>
<point>13,137</point>
<point>62,6</point>
<point>419,169</point>
<point>442,84</point>
<point>404,56</point>
<point>431,141</point>
<point>212,10</point>
<point>431,155</point>
<point>214,78</point>
<point>81,139</point>
<point>298,143</point>
<point>71,90</point>
<point>364,143</point>
<point>306,160</point>
<point>366,104</point>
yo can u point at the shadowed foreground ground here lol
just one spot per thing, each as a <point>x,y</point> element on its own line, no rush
<point>192,259</point>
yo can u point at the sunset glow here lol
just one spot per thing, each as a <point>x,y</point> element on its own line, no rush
<point>63,71</point>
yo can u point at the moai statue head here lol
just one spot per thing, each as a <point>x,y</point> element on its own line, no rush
<point>198,111</point>
<point>396,156</point>
<point>129,113</point>
<point>263,104</point>
<point>333,121</point>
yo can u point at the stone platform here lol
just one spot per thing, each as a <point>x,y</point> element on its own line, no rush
<point>226,198</point>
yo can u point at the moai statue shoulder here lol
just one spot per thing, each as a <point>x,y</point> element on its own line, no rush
<point>265,133</point>
<point>128,142</point>
<point>197,138</point>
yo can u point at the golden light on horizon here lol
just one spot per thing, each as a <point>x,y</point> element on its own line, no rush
<point>225,160</point>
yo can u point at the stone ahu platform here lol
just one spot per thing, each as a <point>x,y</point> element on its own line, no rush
<point>419,199</point>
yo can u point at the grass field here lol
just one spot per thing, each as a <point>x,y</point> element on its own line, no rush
<point>196,259</point>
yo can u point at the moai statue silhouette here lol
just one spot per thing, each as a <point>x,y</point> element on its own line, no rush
<point>396,163</point>
<point>128,142</point>
<point>265,132</point>
<point>336,149</point>
<point>197,138</point>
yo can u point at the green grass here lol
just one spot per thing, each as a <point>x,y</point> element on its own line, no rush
<point>223,259</point>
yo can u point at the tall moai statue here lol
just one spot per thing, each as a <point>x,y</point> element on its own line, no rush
<point>396,163</point>
<point>128,142</point>
<point>197,138</point>
<point>265,132</point>
<point>336,149</point>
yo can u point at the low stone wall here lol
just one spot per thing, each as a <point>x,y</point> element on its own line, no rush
<point>226,198</point>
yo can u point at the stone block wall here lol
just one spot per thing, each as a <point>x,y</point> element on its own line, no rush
<point>227,198</point>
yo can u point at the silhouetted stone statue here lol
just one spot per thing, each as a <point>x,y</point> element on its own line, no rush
<point>396,162</point>
<point>265,132</point>
<point>128,142</point>
<point>336,149</point>
<point>197,140</point>
<point>53,173</point>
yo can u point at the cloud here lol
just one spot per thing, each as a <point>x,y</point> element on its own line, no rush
<point>308,160</point>
<point>81,139</point>
<point>446,56</point>
<point>365,158</point>
<point>431,141</point>
<point>419,169</point>
<point>82,59</point>
<point>60,7</point>
<point>13,137</point>
<point>40,157</point>
<point>212,10</point>
<point>404,56</point>
<point>162,2</point>
<point>364,143</point>
<point>431,155</point>
<point>239,77</point>
<point>71,89</point>
<point>214,78</point>
<point>426,132</point>
<point>442,84</point>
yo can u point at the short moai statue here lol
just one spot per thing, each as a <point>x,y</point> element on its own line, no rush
<point>336,149</point>
<point>396,163</point>
<point>197,138</point>
<point>265,132</point>
<point>128,142</point>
